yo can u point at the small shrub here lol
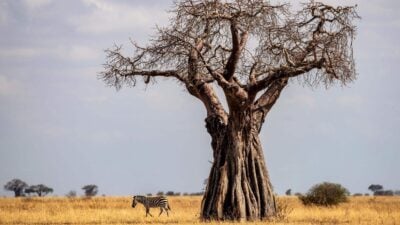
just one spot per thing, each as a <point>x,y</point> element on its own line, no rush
<point>325,194</point>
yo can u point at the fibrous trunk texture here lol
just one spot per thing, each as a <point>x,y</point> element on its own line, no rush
<point>238,186</point>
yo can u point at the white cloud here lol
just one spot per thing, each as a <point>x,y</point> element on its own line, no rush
<point>9,87</point>
<point>304,100</point>
<point>95,99</point>
<point>3,12</point>
<point>110,16</point>
<point>73,53</point>
<point>33,5</point>
<point>19,52</point>
<point>350,101</point>
<point>80,53</point>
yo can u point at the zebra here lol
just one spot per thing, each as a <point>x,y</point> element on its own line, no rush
<point>152,202</point>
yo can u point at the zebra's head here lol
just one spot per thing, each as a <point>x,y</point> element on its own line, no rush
<point>134,202</point>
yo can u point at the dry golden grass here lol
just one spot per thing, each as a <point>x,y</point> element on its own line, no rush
<point>185,210</point>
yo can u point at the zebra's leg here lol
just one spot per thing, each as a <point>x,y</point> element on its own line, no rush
<point>161,210</point>
<point>166,210</point>
<point>148,212</point>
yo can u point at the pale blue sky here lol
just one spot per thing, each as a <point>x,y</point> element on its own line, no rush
<point>61,126</point>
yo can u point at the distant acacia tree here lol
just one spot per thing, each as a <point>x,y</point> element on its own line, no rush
<point>40,190</point>
<point>288,192</point>
<point>90,190</point>
<point>384,193</point>
<point>250,49</point>
<point>17,186</point>
<point>71,194</point>
<point>375,187</point>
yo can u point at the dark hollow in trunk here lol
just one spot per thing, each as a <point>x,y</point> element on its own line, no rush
<point>238,186</point>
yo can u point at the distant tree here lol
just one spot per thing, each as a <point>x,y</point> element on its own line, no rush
<point>170,193</point>
<point>40,190</point>
<point>288,192</point>
<point>375,187</point>
<point>389,193</point>
<point>185,194</point>
<point>17,186</point>
<point>197,194</point>
<point>149,194</point>
<point>298,194</point>
<point>366,194</point>
<point>384,193</point>
<point>90,190</point>
<point>160,193</point>
<point>357,194</point>
<point>71,194</point>
<point>397,192</point>
<point>325,194</point>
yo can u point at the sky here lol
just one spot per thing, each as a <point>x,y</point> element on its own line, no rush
<point>62,126</point>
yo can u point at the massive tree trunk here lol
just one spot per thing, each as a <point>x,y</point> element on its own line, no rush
<point>238,187</point>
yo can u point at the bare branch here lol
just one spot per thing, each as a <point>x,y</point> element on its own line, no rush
<point>245,46</point>
<point>265,102</point>
<point>120,70</point>
<point>284,72</point>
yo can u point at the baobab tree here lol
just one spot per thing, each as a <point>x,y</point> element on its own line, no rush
<point>17,186</point>
<point>40,190</point>
<point>250,49</point>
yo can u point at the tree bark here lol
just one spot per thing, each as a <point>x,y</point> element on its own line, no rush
<point>238,187</point>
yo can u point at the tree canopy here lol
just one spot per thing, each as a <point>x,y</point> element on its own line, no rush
<point>244,46</point>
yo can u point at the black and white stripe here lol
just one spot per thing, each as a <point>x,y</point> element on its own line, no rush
<point>152,202</point>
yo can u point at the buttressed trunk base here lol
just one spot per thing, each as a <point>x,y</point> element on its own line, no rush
<point>238,186</point>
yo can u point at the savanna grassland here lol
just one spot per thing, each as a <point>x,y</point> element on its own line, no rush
<point>185,210</point>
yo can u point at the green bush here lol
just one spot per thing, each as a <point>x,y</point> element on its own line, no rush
<point>325,194</point>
